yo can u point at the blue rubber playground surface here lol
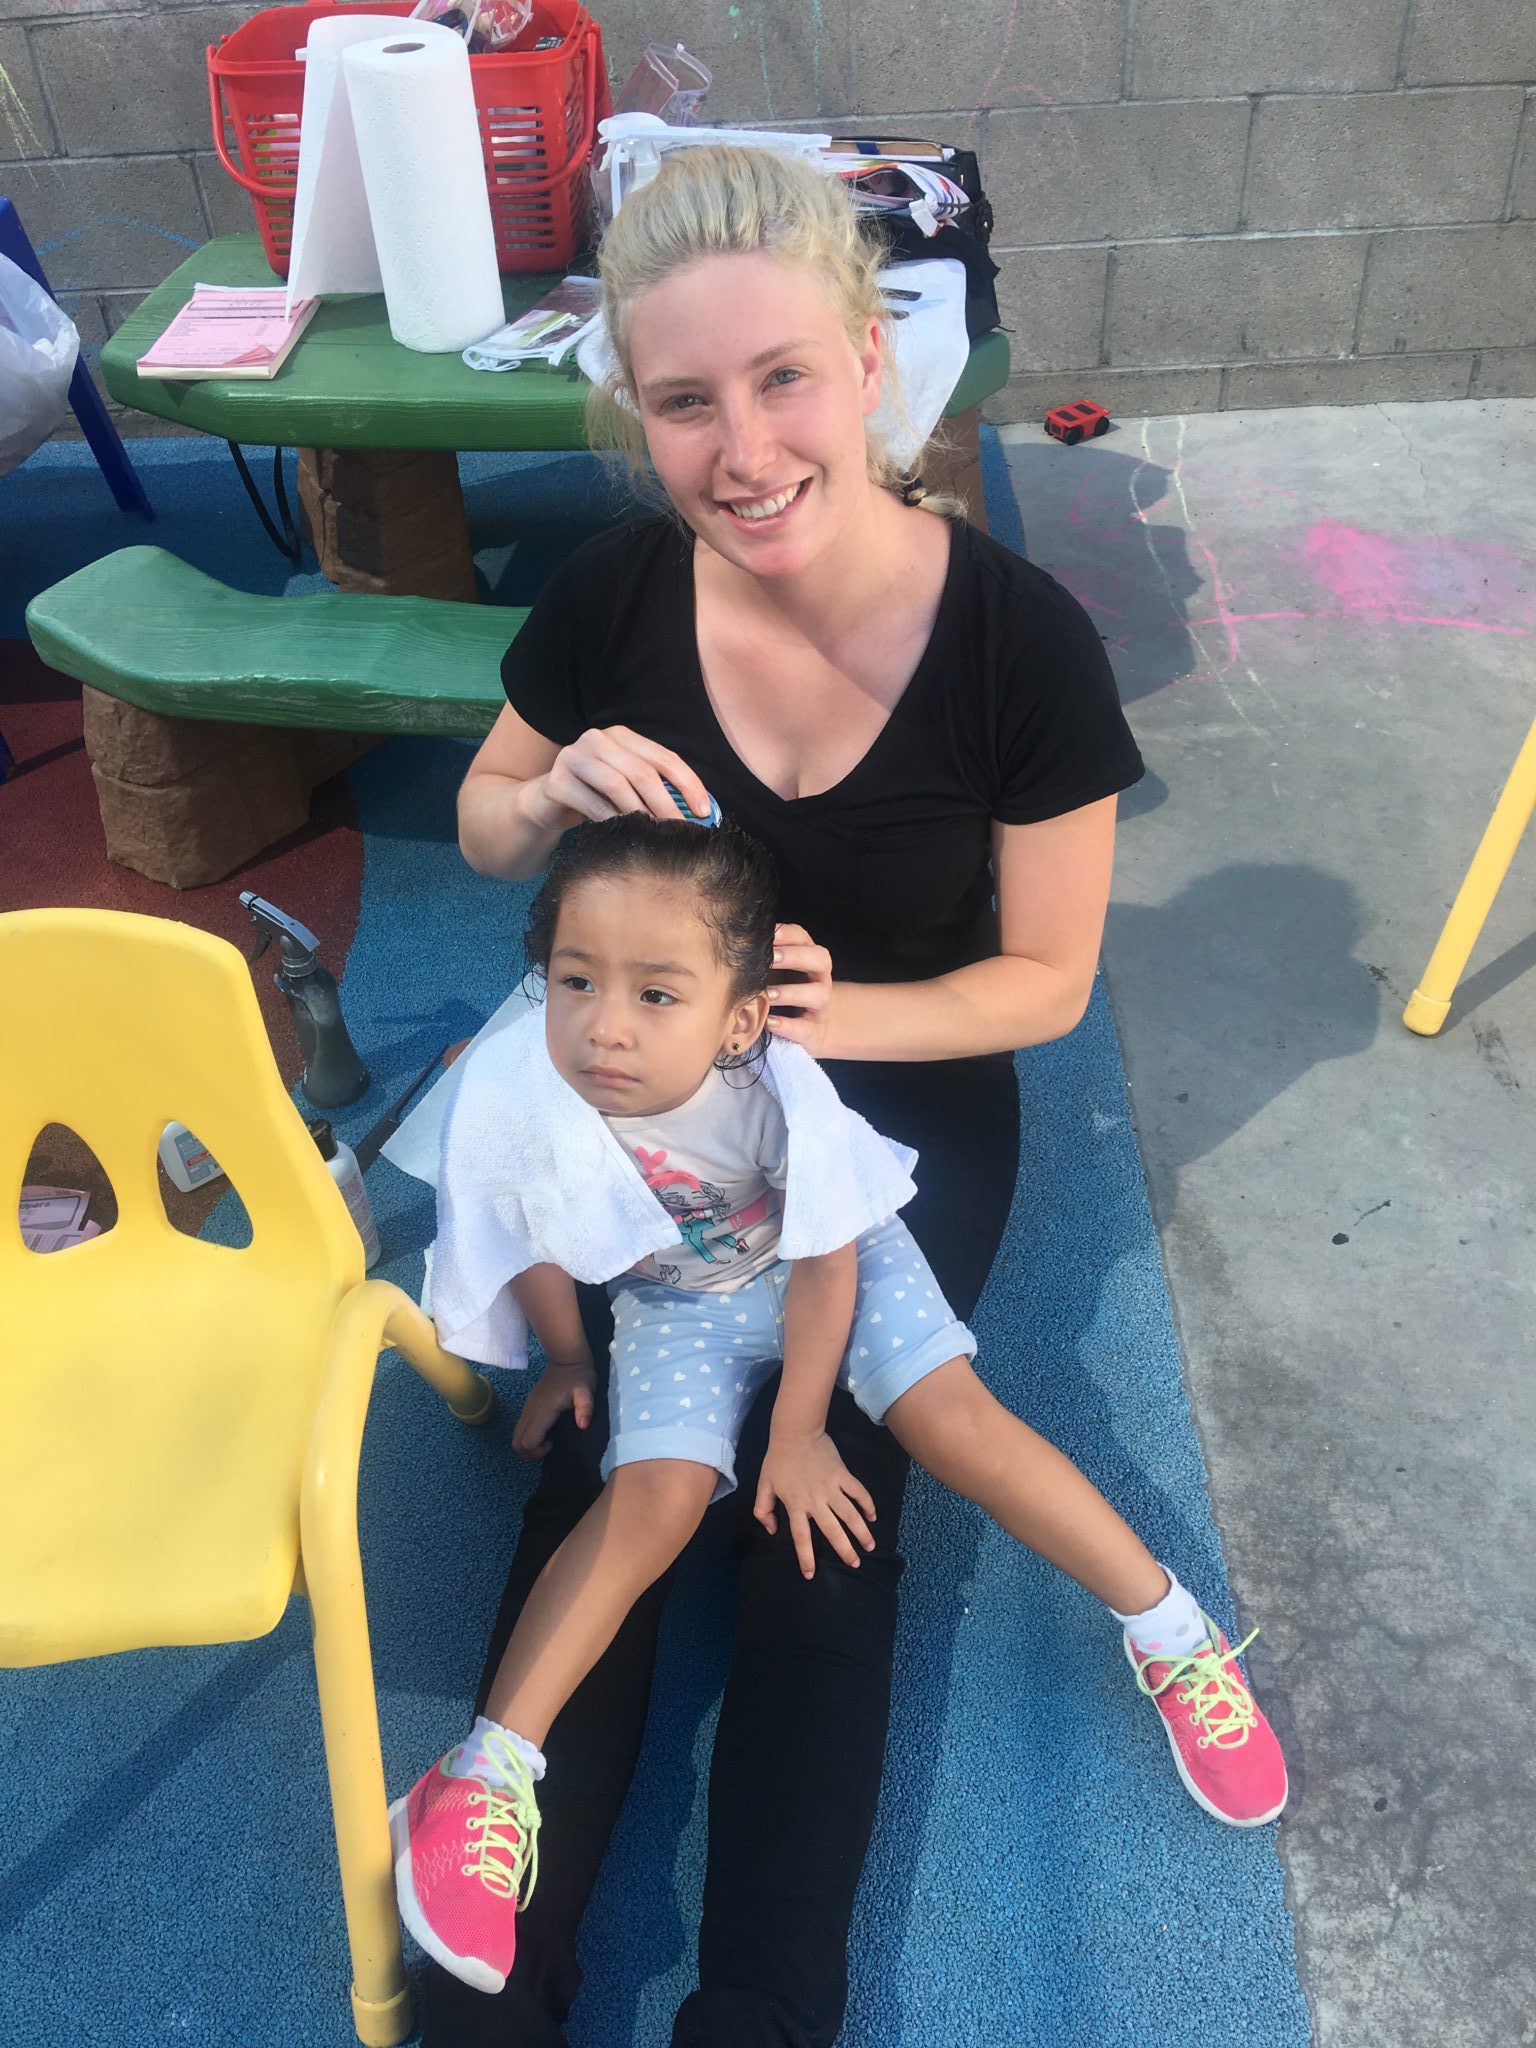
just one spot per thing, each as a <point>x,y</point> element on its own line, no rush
<point>1038,1877</point>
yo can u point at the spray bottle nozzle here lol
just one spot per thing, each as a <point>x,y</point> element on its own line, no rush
<point>298,942</point>
<point>332,1074</point>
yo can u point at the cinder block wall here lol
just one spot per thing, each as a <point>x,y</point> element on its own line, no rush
<point>1200,203</point>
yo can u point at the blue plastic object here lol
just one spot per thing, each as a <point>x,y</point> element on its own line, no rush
<point>85,400</point>
<point>713,817</point>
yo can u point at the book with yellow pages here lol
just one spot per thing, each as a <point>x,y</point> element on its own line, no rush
<point>228,331</point>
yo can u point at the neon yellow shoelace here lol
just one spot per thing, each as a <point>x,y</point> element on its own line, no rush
<point>506,1855</point>
<point>1207,1679</point>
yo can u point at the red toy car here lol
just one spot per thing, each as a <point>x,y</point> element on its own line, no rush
<point>1069,423</point>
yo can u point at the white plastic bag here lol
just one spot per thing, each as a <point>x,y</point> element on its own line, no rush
<point>630,148</point>
<point>38,348</point>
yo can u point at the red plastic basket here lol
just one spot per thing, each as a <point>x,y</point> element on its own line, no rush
<point>538,118</point>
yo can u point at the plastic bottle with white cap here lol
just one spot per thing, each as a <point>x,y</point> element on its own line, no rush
<point>341,1163</point>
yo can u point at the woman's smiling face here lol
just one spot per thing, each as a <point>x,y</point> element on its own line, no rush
<point>753,400</point>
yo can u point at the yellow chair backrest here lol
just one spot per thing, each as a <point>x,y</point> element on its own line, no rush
<point>156,1390</point>
<point>117,1025</point>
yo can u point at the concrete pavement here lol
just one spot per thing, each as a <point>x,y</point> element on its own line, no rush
<point>1324,624</point>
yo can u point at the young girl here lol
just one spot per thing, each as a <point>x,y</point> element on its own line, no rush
<point>645,1129</point>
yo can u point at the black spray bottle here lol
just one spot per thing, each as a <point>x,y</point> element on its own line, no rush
<point>333,1074</point>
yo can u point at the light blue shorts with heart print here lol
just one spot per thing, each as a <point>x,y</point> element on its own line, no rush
<point>687,1365</point>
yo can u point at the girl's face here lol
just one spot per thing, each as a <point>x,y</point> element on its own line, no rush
<point>753,401</point>
<point>638,1005</point>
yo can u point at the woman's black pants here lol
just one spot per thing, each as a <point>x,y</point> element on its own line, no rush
<point>801,1738</point>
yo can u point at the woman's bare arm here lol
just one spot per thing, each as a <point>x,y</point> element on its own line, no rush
<point>499,833</point>
<point>1052,884</point>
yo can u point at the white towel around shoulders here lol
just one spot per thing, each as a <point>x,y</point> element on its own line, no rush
<point>529,1173</point>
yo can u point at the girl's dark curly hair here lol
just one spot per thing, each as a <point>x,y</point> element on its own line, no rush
<point>732,875</point>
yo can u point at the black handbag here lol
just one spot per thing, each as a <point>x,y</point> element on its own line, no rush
<point>966,239</point>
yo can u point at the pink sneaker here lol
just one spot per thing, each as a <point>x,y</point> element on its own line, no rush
<point>466,1857</point>
<point>1226,1752</point>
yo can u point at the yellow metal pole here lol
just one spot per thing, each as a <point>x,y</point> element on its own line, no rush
<point>1430,1003</point>
<point>333,1572</point>
<point>373,1314</point>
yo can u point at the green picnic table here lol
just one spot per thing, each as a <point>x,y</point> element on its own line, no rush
<point>349,384</point>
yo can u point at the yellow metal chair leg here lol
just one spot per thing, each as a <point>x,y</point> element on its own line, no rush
<point>468,1393</point>
<point>1430,1003</point>
<point>381,1996</point>
<point>373,1315</point>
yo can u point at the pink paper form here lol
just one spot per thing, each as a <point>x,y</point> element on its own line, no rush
<point>224,325</point>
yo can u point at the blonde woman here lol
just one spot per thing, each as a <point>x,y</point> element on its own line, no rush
<point>924,731</point>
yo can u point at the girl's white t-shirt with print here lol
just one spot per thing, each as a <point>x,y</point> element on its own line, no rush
<point>717,1164</point>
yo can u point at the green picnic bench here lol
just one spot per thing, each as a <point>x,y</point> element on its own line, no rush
<point>210,715</point>
<point>149,629</point>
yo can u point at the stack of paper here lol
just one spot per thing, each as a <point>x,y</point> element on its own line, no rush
<point>54,1218</point>
<point>225,331</point>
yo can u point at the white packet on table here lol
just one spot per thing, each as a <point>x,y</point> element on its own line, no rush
<point>545,332</point>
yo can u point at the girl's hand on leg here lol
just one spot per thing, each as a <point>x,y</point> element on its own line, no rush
<point>808,1478</point>
<point>557,1388</point>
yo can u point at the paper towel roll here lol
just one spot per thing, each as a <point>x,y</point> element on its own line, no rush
<point>413,110</point>
<point>333,249</point>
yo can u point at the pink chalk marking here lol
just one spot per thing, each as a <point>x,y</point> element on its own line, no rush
<point>1474,586</point>
<point>1466,625</point>
<point>1246,618</point>
<point>1378,577</point>
<point>1225,617</point>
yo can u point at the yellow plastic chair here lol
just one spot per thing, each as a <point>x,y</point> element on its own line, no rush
<point>1430,1003</point>
<point>181,1423</point>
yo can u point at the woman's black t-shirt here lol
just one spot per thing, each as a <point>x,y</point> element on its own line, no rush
<point>1011,714</point>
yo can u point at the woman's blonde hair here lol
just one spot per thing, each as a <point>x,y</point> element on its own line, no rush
<point>716,199</point>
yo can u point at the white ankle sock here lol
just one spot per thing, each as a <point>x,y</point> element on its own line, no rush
<point>1175,1625</point>
<point>472,1760</point>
